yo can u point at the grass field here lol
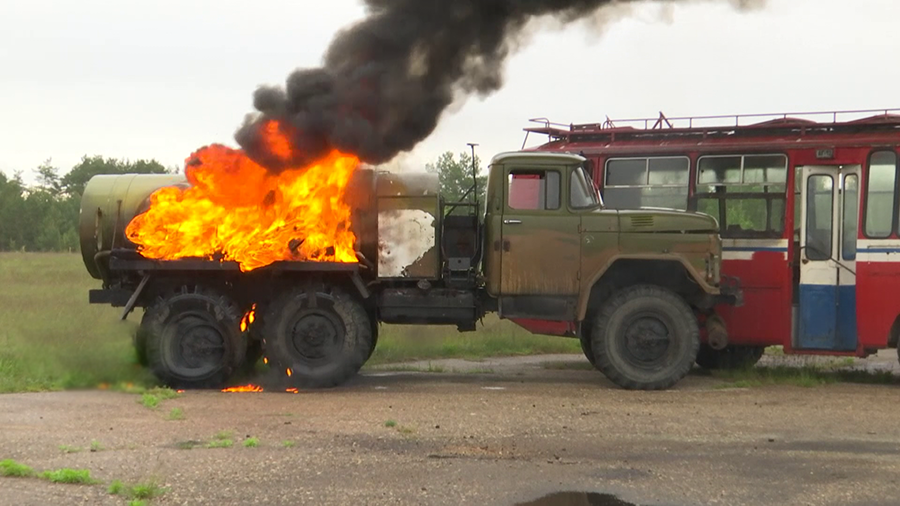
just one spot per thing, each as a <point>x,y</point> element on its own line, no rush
<point>51,338</point>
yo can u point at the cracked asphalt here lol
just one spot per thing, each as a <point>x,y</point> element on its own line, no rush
<point>503,432</point>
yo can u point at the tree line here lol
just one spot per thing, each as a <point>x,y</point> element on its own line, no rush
<point>44,216</point>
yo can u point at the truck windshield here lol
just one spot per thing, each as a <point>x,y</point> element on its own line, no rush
<point>582,192</point>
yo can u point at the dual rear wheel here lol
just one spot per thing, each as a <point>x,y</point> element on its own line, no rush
<point>313,336</point>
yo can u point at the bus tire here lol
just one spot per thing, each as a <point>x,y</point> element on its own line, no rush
<point>730,358</point>
<point>317,336</point>
<point>645,338</point>
<point>193,338</point>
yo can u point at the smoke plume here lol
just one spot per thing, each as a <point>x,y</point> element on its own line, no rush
<point>386,80</point>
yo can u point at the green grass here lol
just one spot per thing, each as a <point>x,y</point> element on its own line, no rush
<point>137,502</point>
<point>176,414</point>
<point>149,400</point>
<point>390,423</point>
<point>224,434</point>
<point>220,443</point>
<point>96,446</point>
<point>288,443</point>
<point>143,491</point>
<point>52,339</point>
<point>146,490</point>
<point>251,442</point>
<point>70,449</point>
<point>73,476</point>
<point>13,469</point>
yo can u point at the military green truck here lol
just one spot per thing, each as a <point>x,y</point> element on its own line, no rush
<point>638,288</point>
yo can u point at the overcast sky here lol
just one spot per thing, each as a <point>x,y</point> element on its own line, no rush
<point>159,79</point>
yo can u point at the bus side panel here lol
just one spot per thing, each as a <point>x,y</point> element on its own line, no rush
<point>766,280</point>
<point>877,304</point>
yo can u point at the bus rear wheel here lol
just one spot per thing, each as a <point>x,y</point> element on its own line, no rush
<point>645,338</point>
<point>317,336</point>
<point>730,358</point>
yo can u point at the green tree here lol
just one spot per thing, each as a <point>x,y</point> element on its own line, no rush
<point>74,182</point>
<point>12,209</point>
<point>48,178</point>
<point>455,176</point>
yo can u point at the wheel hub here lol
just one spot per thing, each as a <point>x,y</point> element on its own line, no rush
<point>647,339</point>
<point>316,336</point>
<point>200,345</point>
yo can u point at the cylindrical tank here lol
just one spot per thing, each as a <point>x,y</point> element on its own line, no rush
<point>396,219</point>
<point>107,206</point>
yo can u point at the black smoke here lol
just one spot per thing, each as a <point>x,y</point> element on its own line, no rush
<point>386,80</point>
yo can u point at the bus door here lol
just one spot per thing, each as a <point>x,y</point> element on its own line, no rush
<point>828,233</point>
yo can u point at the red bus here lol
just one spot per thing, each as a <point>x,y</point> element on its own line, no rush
<point>808,209</point>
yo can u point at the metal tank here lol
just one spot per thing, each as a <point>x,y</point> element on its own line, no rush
<point>108,204</point>
<point>396,218</point>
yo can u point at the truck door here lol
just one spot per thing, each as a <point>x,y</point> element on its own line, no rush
<point>828,233</point>
<point>540,246</point>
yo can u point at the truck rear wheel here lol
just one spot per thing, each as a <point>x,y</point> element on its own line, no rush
<point>317,336</point>
<point>193,338</point>
<point>645,338</point>
<point>729,358</point>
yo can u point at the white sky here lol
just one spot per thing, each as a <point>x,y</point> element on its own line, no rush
<point>160,79</point>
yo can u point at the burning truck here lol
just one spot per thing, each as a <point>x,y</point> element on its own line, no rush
<point>232,262</point>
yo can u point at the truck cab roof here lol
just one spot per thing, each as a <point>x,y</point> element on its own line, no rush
<point>537,156</point>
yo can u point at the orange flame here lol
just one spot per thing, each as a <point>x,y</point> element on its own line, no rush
<point>236,209</point>
<point>243,388</point>
<point>248,318</point>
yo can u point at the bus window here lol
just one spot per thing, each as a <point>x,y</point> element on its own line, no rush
<point>533,190</point>
<point>746,193</point>
<point>819,216</point>
<point>880,192</point>
<point>633,183</point>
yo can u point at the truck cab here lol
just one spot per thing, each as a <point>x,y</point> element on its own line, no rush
<point>555,258</point>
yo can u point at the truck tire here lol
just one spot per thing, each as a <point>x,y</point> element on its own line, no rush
<point>730,358</point>
<point>317,336</point>
<point>645,338</point>
<point>586,348</point>
<point>193,338</point>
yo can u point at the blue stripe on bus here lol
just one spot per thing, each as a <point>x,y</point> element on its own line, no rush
<point>879,250</point>
<point>753,248</point>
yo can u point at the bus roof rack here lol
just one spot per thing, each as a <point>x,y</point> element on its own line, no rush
<point>705,123</point>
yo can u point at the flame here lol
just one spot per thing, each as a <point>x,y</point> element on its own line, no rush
<point>289,372</point>
<point>244,388</point>
<point>255,388</point>
<point>236,209</point>
<point>248,318</point>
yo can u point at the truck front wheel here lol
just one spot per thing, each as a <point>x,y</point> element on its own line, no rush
<point>192,338</point>
<point>317,336</point>
<point>645,338</point>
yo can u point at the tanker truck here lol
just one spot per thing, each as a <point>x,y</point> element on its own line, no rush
<point>639,288</point>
